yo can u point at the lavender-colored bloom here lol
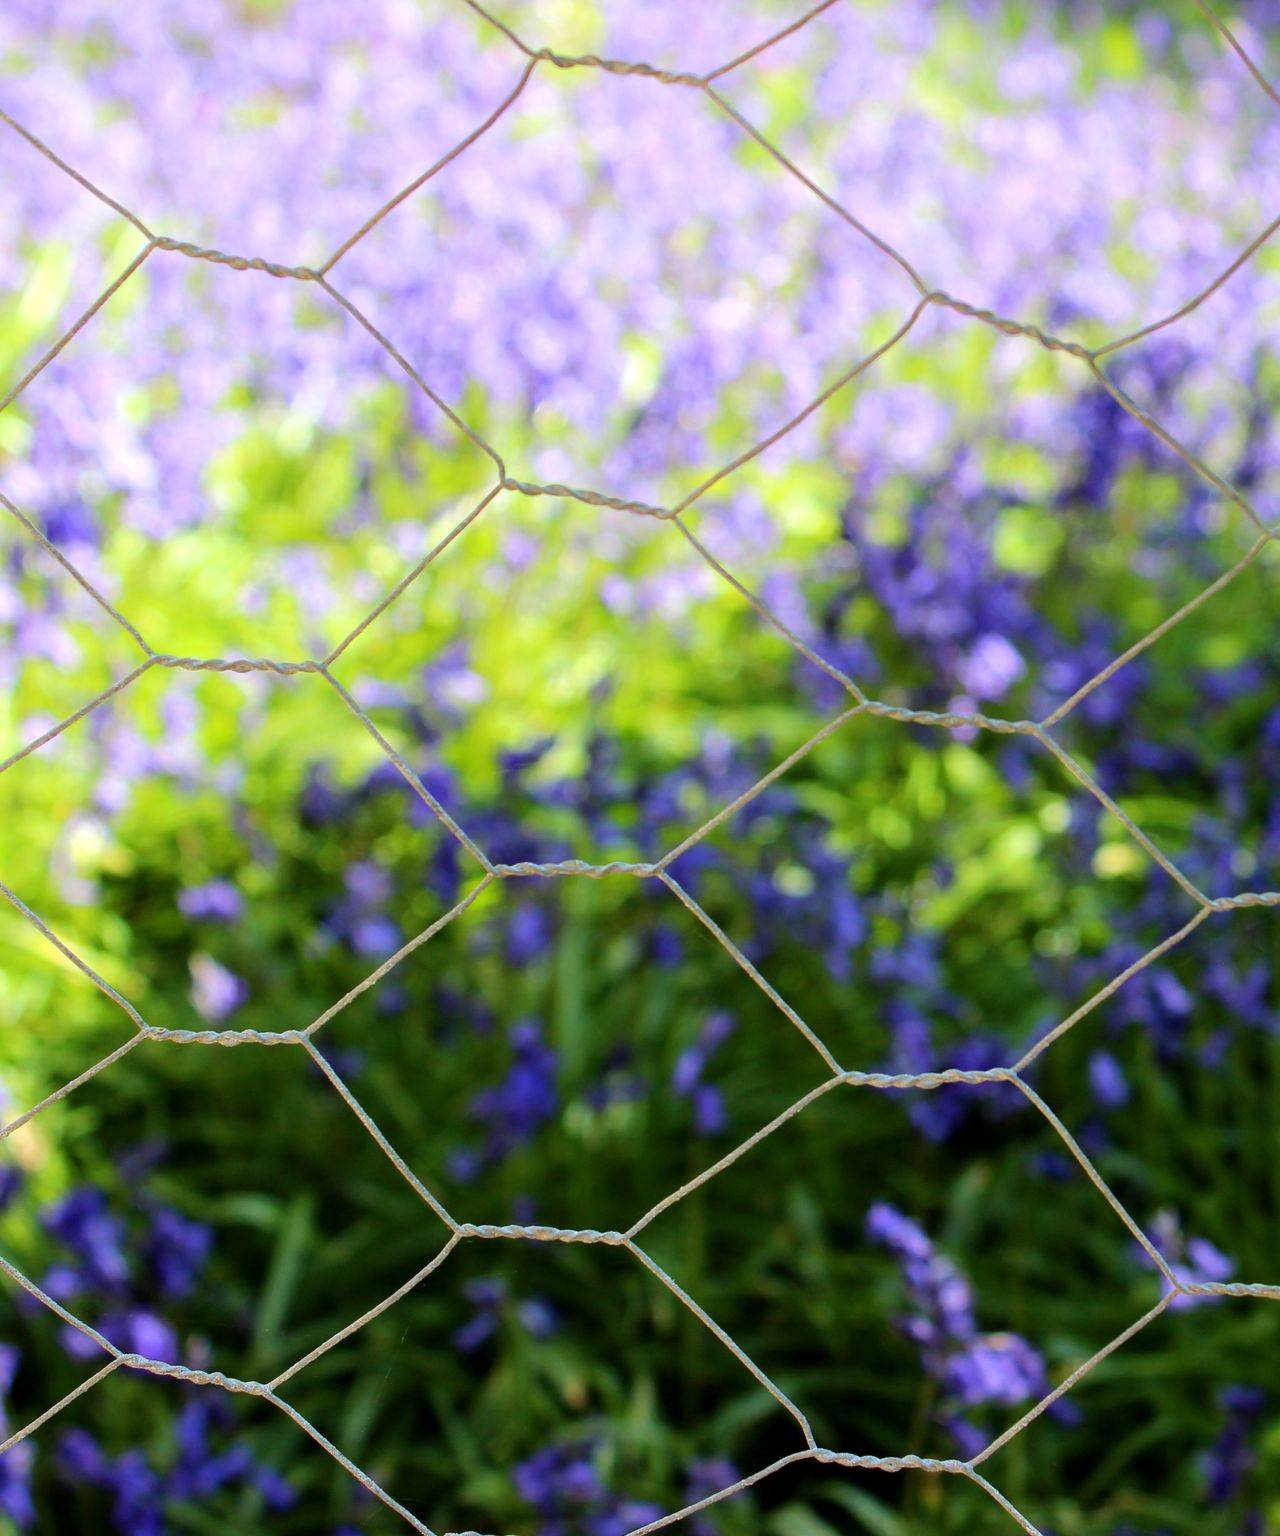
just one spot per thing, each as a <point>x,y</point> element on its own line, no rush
<point>1231,1457</point>
<point>537,1317</point>
<point>17,1462</point>
<point>375,936</point>
<point>217,901</point>
<point>278,1493</point>
<point>558,1479</point>
<point>139,1496</point>
<point>971,1368</point>
<point>563,1485</point>
<point>358,918</point>
<point>368,884</point>
<point>464,1164</point>
<point>11,1180</point>
<point>177,1250</point>
<point>705,1478</point>
<point>519,1106</point>
<point>530,933</point>
<point>709,1115</point>
<point>138,1331</point>
<point>85,1225</point>
<point>200,1470</point>
<point>1108,1081</point>
<point>1194,1260</point>
<point>216,992</point>
<point>626,1515</point>
<point>666,947</point>
<point>969,1439</point>
<point>491,1298</point>
<point>997,1368</point>
<point>81,1458</point>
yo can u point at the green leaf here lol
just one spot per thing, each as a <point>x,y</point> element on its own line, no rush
<point>284,1276</point>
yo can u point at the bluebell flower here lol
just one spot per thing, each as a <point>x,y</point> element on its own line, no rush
<point>277,1492</point>
<point>137,1331</point>
<point>177,1250</point>
<point>216,901</point>
<point>321,802</point>
<point>16,1464</point>
<point>972,1369</point>
<point>563,1485</point>
<point>666,946</point>
<point>519,1106</point>
<point>11,1181</point>
<point>81,1458</point>
<point>623,1516</point>
<point>358,919</point>
<point>558,1479</point>
<point>1193,1260</point>
<point>464,1164</point>
<point>139,1496</point>
<point>530,933</point>
<point>1231,1457</point>
<point>200,1470</point>
<point>216,992</point>
<point>374,936</point>
<point>995,1368</point>
<point>704,1478</point>
<point>82,1222</point>
<point>491,1298</point>
<point>1107,1080</point>
<point>709,1115</point>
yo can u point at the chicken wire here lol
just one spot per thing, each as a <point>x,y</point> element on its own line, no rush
<point>1039,731</point>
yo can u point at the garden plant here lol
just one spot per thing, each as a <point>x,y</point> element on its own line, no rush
<point>849,903</point>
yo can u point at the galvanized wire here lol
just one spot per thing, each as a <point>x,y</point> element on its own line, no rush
<point>1202,906</point>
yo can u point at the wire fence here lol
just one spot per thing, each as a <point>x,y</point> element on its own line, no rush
<point>459,1231</point>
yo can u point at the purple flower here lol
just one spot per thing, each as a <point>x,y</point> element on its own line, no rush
<point>83,1223</point>
<point>491,1298</point>
<point>1231,1457</point>
<point>519,1106</point>
<point>996,1368</point>
<point>709,1116</point>
<point>177,1249</point>
<point>375,936</point>
<point>705,1478</point>
<point>530,933</point>
<point>972,1368</point>
<point>217,901</point>
<point>138,1331</point>
<point>216,992</point>
<point>17,1462</point>
<point>277,1492</point>
<point>358,918</point>
<point>1107,1080</point>
<point>1194,1261</point>
<point>11,1181</point>
<point>81,1458</point>
<point>558,1479</point>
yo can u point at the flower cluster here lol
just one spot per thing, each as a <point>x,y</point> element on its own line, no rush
<point>971,1369</point>
<point>116,1277</point>
<point>709,1115</point>
<point>15,1464</point>
<point>492,1300</point>
<point>563,1486</point>
<point>208,1458</point>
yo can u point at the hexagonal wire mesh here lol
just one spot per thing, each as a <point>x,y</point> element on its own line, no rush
<point>490,872</point>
